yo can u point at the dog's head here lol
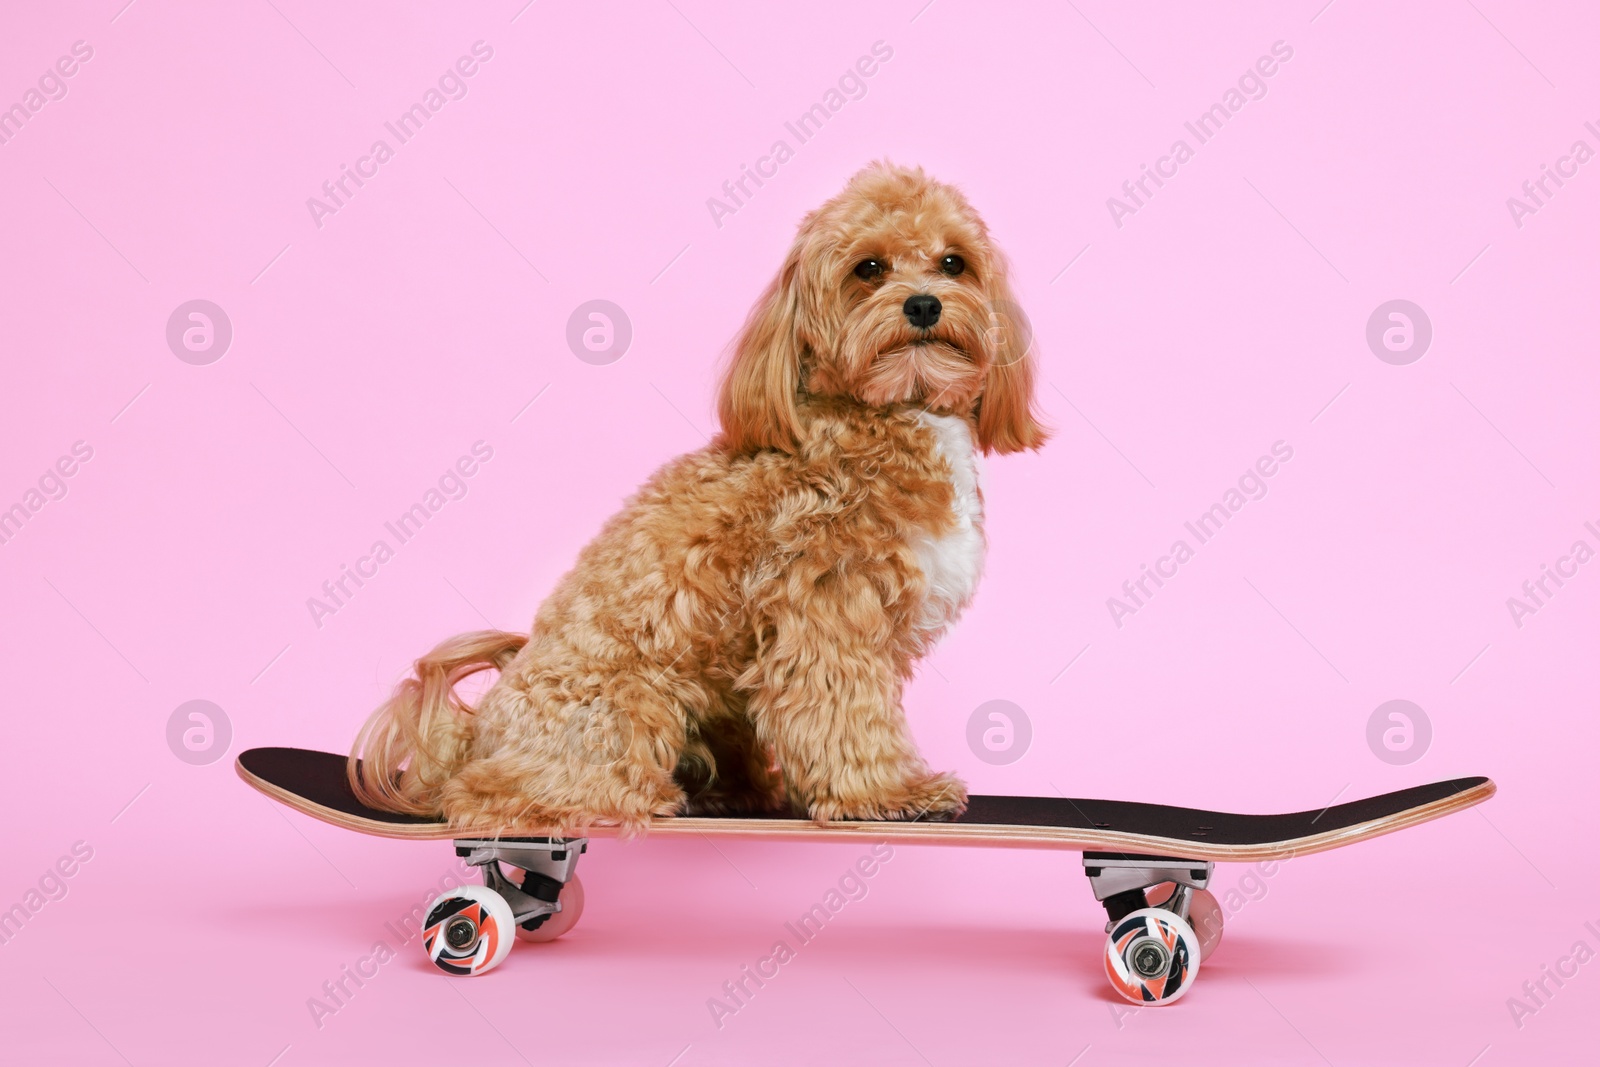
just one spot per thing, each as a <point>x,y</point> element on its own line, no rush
<point>891,294</point>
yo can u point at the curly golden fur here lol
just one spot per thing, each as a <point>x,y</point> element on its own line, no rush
<point>737,638</point>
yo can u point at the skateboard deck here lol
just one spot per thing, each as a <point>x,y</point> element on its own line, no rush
<point>1149,865</point>
<point>314,783</point>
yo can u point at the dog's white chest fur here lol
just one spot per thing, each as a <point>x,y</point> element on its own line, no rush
<point>953,561</point>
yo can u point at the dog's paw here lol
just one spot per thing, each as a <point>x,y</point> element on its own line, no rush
<point>927,798</point>
<point>936,798</point>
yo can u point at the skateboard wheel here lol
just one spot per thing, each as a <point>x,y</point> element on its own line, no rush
<point>1152,956</point>
<point>468,930</point>
<point>1205,915</point>
<point>555,925</point>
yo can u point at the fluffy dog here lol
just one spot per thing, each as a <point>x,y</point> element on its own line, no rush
<point>737,638</point>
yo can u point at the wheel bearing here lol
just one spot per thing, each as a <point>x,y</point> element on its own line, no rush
<point>461,933</point>
<point>1148,958</point>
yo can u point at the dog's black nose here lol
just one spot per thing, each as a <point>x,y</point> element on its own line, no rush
<point>923,310</point>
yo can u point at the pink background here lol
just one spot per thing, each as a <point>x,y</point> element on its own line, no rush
<point>1227,314</point>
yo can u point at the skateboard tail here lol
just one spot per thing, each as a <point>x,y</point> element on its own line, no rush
<point>417,739</point>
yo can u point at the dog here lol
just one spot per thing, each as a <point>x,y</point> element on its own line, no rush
<point>737,638</point>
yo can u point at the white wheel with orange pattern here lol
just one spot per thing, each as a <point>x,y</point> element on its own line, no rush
<point>469,931</point>
<point>1152,956</point>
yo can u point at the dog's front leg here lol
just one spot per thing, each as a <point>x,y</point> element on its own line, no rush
<point>827,700</point>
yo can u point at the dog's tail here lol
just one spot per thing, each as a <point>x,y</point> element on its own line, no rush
<point>418,738</point>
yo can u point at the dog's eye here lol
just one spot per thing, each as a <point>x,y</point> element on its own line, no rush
<point>868,269</point>
<point>952,264</point>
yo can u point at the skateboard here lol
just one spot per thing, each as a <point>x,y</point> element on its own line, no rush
<point>1149,865</point>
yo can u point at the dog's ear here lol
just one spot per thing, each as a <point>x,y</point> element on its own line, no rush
<point>1007,421</point>
<point>756,401</point>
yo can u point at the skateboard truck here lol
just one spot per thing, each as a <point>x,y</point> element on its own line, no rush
<point>547,863</point>
<point>1119,881</point>
<point>1154,948</point>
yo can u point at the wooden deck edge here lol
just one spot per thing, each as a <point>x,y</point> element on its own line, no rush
<point>915,833</point>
